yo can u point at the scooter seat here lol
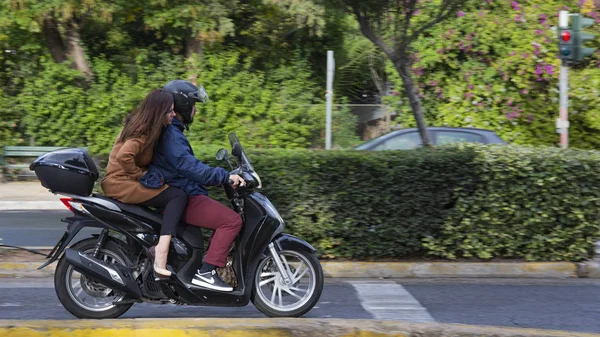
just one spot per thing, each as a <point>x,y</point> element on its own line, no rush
<point>138,210</point>
<point>192,234</point>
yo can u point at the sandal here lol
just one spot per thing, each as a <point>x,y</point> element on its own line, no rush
<point>159,273</point>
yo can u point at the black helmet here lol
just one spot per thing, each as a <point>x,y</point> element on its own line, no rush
<point>185,96</point>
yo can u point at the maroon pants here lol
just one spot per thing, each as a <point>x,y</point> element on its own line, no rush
<point>205,212</point>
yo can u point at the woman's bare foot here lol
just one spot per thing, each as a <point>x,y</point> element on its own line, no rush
<point>160,261</point>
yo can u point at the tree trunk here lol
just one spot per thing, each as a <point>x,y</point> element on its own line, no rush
<point>193,53</point>
<point>54,40</point>
<point>402,66</point>
<point>76,50</point>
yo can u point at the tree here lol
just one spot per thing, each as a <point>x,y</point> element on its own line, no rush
<point>269,31</point>
<point>68,16</point>
<point>393,26</point>
<point>495,67</point>
<point>189,25</point>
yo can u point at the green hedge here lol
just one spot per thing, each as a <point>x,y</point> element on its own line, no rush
<point>532,203</point>
<point>465,201</point>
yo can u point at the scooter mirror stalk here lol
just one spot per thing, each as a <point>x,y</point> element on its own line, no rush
<point>223,155</point>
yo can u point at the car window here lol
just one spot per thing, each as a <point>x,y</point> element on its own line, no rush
<point>448,137</point>
<point>405,141</point>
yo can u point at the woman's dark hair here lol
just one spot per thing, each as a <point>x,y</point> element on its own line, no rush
<point>148,119</point>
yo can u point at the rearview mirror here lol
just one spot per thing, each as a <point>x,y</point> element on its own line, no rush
<point>222,154</point>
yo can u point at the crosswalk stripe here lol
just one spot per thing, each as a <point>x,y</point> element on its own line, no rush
<point>390,301</point>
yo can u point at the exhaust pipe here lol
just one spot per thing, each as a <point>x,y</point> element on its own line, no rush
<point>113,276</point>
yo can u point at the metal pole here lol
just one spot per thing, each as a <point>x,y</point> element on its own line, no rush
<point>329,97</point>
<point>563,19</point>
<point>562,123</point>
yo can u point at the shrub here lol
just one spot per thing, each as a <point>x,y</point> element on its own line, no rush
<point>465,201</point>
<point>532,203</point>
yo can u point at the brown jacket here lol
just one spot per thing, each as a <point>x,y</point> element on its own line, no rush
<point>126,165</point>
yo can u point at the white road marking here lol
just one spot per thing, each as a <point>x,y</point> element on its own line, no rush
<point>387,300</point>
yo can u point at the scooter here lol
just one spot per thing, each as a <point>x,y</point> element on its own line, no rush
<point>104,275</point>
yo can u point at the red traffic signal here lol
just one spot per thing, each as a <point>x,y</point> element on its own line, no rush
<point>565,44</point>
<point>565,36</point>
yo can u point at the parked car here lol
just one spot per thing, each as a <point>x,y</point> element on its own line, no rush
<point>407,139</point>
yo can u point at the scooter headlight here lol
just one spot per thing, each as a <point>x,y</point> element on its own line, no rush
<point>257,177</point>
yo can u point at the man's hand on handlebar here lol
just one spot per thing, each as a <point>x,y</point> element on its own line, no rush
<point>235,181</point>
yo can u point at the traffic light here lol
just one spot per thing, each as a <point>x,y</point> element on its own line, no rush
<point>580,37</point>
<point>565,44</point>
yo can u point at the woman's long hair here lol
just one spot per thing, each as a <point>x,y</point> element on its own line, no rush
<point>148,119</point>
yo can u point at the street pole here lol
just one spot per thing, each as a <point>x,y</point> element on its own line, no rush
<point>329,97</point>
<point>562,123</point>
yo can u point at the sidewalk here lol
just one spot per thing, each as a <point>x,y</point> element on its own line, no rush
<point>32,195</point>
<point>21,264</point>
<point>27,195</point>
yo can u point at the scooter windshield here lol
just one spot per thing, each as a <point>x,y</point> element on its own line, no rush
<point>238,151</point>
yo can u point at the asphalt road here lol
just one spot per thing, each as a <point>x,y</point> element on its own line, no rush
<point>548,304</point>
<point>35,228</point>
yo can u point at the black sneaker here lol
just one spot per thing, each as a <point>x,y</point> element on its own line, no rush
<point>210,280</point>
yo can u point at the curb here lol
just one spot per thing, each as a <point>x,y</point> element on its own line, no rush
<point>263,327</point>
<point>450,269</point>
<point>25,270</point>
<point>546,270</point>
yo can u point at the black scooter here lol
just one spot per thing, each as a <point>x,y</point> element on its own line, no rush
<point>103,276</point>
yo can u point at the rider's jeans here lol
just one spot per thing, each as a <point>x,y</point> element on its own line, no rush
<point>205,212</point>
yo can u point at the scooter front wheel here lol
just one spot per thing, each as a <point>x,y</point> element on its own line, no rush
<point>274,298</point>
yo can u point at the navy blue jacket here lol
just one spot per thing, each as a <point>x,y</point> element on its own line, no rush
<point>174,163</point>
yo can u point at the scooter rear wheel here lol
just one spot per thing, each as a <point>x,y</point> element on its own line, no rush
<point>276,299</point>
<point>84,297</point>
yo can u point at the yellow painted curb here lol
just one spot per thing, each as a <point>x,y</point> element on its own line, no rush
<point>25,270</point>
<point>15,265</point>
<point>261,327</point>
<point>393,269</point>
<point>450,269</point>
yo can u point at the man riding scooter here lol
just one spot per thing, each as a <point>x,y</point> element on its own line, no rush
<point>175,161</point>
<point>104,275</point>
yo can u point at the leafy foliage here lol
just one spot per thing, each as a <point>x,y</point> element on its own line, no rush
<point>463,201</point>
<point>343,131</point>
<point>495,67</point>
<point>492,64</point>
<point>531,203</point>
<point>270,110</point>
<point>135,46</point>
<point>393,26</point>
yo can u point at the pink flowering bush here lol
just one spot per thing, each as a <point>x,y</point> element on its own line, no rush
<point>495,66</point>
